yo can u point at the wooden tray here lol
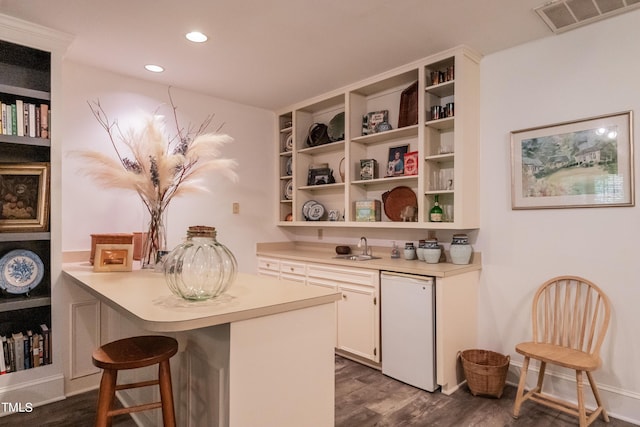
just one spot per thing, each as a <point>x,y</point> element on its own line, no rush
<point>396,200</point>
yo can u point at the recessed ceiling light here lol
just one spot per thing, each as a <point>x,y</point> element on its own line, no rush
<point>196,37</point>
<point>154,68</point>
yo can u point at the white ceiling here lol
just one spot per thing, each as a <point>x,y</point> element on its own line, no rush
<point>273,53</point>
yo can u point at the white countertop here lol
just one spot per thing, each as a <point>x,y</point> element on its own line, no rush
<point>144,297</point>
<point>324,253</point>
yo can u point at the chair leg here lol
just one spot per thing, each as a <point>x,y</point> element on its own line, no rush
<point>105,397</point>
<point>596,395</point>
<point>582,412</point>
<point>520,392</point>
<point>543,368</point>
<point>166,395</point>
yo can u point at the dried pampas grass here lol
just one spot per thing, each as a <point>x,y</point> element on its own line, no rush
<point>154,165</point>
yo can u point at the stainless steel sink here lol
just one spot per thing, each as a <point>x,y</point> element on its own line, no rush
<point>354,257</point>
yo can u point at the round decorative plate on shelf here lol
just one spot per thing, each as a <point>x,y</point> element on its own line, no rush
<point>397,200</point>
<point>288,190</point>
<point>316,212</point>
<point>336,128</point>
<point>288,166</point>
<point>20,271</point>
<point>305,208</point>
<point>288,145</point>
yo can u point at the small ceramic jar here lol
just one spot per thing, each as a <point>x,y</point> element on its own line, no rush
<point>460,250</point>
<point>409,251</point>
<point>432,251</point>
<point>420,250</point>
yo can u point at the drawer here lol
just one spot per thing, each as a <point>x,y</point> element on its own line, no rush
<point>269,264</point>
<point>360,276</point>
<point>293,268</point>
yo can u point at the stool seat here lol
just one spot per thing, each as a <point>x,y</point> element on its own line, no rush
<point>133,353</point>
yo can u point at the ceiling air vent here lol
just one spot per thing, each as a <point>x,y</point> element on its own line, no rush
<point>564,15</point>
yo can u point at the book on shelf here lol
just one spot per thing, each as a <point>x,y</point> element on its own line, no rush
<point>3,365</point>
<point>23,118</point>
<point>18,350</point>
<point>44,121</point>
<point>26,351</point>
<point>19,117</point>
<point>5,353</point>
<point>46,346</point>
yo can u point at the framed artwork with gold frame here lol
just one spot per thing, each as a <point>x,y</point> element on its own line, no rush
<point>113,257</point>
<point>24,197</point>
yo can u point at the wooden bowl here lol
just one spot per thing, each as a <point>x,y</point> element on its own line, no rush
<point>343,250</point>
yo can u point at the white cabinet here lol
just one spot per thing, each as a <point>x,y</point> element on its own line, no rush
<point>357,314</point>
<point>445,138</point>
<point>358,322</point>
<point>283,269</point>
<point>291,270</point>
<point>269,267</point>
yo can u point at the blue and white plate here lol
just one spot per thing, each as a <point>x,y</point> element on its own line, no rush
<point>20,271</point>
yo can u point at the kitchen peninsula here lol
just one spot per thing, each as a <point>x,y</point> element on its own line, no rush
<point>261,354</point>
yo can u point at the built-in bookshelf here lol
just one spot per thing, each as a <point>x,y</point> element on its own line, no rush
<point>25,237</point>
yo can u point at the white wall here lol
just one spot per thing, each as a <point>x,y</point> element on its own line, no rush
<point>89,208</point>
<point>586,72</point>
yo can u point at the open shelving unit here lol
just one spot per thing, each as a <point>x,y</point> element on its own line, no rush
<point>446,141</point>
<point>30,62</point>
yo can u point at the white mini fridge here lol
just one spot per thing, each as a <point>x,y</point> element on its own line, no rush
<point>408,329</point>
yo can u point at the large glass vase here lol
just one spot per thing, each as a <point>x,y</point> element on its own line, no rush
<point>200,268</point>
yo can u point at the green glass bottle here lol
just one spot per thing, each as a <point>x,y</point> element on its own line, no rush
<point>435,214</point>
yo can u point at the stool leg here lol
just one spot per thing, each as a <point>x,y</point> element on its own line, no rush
<point>105,397</point>
<point>166,394</point>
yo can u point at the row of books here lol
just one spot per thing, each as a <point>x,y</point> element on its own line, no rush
<point>25,119</point>
<point>25,350</point>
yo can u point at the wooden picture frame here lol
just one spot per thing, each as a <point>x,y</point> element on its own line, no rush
<point>24,197</point>
<point>113,257</point>
<point>576,164</point>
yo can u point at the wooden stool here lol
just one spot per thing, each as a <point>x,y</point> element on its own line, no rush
<point>132,353</point>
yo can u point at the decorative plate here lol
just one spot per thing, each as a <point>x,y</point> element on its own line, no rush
<point>396,200</point>
<point>316,212</point>
<point>288,145</point>
<point>336,127</point>
<point>305,208</point>
<point>288,190</point>
<point>288,167</point>
<point>20,271</point>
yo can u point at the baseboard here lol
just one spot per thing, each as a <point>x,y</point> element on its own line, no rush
<point>619,403</point>
<point>31,394</point>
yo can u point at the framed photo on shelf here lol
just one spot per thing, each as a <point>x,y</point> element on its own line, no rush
<point>113,257</point>
<point>576,164</point>
<point>395,166</point>
<point>24,197</point>
<point>370,121</point>
<point>411,163</point>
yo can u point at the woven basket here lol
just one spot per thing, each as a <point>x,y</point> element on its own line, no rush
<point>485,370</point>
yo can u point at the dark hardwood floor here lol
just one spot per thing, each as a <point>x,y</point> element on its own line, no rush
<point>364,398</point>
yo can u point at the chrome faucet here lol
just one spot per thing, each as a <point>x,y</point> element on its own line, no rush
<point>365,250</point>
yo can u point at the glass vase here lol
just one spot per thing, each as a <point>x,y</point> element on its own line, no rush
<point>200,268</point>
<point>156,239</point>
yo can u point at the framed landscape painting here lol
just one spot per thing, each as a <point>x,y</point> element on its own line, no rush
<point>583,163</point>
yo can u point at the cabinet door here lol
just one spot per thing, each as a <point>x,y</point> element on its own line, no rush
<point>329,284</point>
<point>358,314</point>
<point>357,320</point>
